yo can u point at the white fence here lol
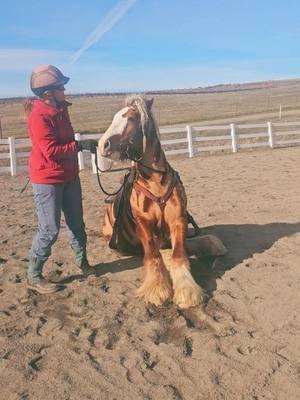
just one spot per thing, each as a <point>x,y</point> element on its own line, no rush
<point>191,141</point>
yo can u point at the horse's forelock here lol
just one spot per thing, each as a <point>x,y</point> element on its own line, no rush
<point>139,102</point>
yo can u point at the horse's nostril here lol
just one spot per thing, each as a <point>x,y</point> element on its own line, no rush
<point>107,145</point>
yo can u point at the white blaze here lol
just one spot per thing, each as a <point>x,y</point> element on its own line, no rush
<point>116,128</point>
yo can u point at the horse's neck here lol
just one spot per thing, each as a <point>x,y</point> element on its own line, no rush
<point>154,152</point>
<point>152,167</point>
<point>154,156</point>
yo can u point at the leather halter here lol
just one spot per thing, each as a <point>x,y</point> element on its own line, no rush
<point>160,200</point>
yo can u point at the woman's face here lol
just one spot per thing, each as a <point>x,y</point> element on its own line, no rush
<point>59,94</point>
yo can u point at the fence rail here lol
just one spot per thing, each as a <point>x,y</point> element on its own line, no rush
<point>193,140</point>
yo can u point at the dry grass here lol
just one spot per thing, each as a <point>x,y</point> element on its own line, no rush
<point>94,113</point>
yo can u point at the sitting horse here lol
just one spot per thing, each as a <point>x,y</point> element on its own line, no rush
<point>151,212</point>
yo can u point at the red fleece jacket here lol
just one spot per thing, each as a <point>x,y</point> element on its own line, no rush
<point>53,158</point>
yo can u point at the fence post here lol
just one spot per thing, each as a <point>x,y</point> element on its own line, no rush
<point>12,156</point>
<point>280,110</point>
<point>189,135</point>
<point>94,167</point>
<point>80,154</point>
<point>233,138</point>
<point>271,136</point>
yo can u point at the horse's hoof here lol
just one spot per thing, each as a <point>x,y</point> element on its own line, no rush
<point>187,296</point>
<point>186,291</point>
<point>156,295</point>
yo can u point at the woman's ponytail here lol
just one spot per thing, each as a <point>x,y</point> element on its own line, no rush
<point>28,107</point>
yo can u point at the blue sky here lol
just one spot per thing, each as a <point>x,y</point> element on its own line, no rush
<point>136,45</point>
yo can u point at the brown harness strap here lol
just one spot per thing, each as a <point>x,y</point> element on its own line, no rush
<point>162,199</point>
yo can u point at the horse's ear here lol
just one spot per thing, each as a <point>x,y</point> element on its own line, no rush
<point>149,103</point>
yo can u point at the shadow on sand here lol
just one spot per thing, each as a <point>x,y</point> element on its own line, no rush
<point>121,264</point>
<point>241,241</point>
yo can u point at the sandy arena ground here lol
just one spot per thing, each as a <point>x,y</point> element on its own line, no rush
<point>94,340</point>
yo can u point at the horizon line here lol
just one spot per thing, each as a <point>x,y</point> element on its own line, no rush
<point>201,89</point>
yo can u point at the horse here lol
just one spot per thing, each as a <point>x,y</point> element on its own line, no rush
<point>151,213</point>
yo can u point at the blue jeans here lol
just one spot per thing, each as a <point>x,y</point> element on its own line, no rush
<point>50,200</point>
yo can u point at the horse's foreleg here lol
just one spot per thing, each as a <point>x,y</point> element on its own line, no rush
<point>157,285</point>
<point>186,291</point>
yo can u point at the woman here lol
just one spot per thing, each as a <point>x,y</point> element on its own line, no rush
<point>54,173</point>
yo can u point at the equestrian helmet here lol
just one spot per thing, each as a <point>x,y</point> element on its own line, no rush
<point>46,77</point>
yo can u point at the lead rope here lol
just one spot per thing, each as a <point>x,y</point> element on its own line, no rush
<point>99,170</point>
<point>25,186</point>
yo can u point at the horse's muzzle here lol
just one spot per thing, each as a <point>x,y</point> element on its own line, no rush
<point>107,149</point>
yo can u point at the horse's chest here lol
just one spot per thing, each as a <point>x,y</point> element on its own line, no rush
<point>145,208</point>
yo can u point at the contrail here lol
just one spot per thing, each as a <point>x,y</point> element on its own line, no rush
<point>104,26</point>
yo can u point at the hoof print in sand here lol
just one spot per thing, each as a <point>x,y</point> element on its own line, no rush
<point>187,347</point>
<point>149,363</point>
<point>173,392</point>
<point>34,363</point>
<point>103,286</point>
